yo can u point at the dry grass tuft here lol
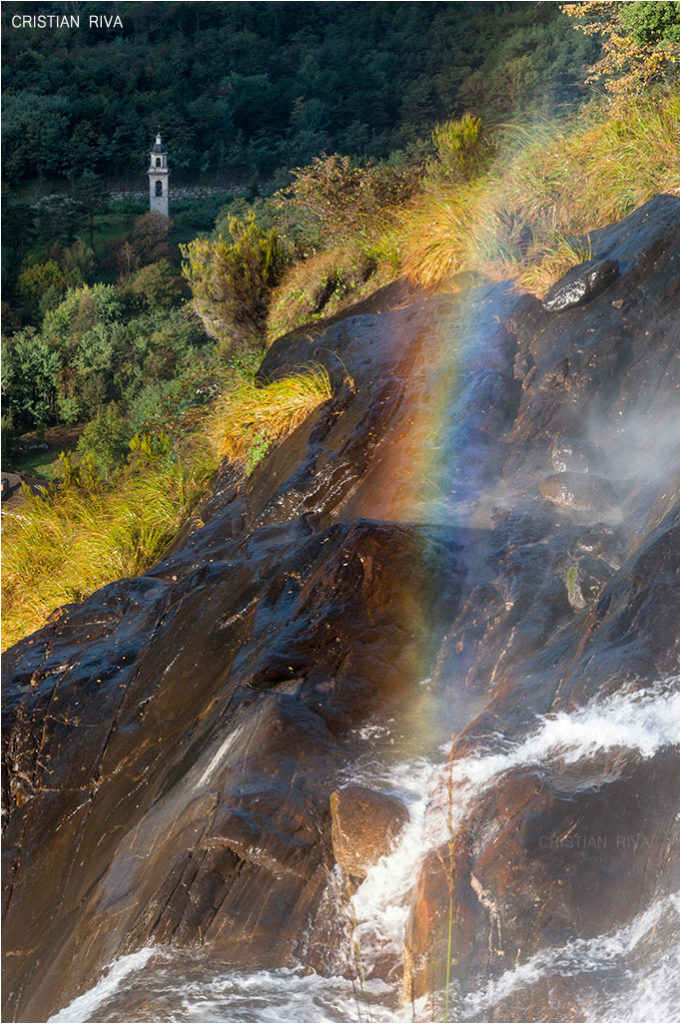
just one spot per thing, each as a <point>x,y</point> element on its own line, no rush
<point>537,277</point>
<point>248,414</point>
<point>64,546</point>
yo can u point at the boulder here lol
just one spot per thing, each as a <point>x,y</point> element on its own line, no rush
<point>603,542</point>
<point>581,492</point>
<point>538,861</point>
<point>364,825</point>
<point>581,284</point>
<point>569,455</point>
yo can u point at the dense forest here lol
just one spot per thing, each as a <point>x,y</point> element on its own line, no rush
<point>252,89</point>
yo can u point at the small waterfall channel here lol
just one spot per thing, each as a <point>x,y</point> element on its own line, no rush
<point>627,974</point>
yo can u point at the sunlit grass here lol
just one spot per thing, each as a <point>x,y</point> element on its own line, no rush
<point>549,183</point>
<point>249,415</point>
<point>64,546</point>
<point>552,263</point>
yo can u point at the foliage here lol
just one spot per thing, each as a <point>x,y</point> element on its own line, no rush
<point>9,436</point>
<point>101,344</point>
<point>345,199</point>
<point>231,281</point>
<point>547,185</point>
<point>463,150</point>
<point>244,90</point>
<point>327,282</point>
<point>248,415</point>
<point>640,42</point>
<point>29,369</point>
<point>105,439</point>
<point>156,286</point>
<point>64,545</point>
<point>90,195</point>
<point>36,278</point>
<point>149,240</point>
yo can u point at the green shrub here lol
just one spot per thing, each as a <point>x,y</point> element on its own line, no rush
<point>231,281</point>
<point>344,199</point>
<point>463,149</point>
<point>105,439</point>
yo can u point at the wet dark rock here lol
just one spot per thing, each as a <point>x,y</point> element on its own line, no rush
<point>581,284</point>
<point>587,850</point>
<point>569,455</point>
<point>364,825</point>
<point>578,491</point>
<point>171,744</point>
<point>604,542</point>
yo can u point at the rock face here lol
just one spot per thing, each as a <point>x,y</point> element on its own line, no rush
<point>581,284</point>
<point>171,744</point>
<point>579,456</point>
<point>364,825</point>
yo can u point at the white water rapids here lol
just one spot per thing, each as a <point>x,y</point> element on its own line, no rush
<point>628,974</point>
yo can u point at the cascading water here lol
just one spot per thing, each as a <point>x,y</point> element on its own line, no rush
<point>629,974</point>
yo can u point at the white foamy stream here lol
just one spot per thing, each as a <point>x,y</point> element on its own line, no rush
<point>617,983</point>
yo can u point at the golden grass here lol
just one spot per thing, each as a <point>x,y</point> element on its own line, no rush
<point>248,413</point>
<point>537,277</point>
<point>63,547</point>
<point>548,184</point>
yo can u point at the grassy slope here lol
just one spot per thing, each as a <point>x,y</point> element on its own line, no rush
<point>547,185</point>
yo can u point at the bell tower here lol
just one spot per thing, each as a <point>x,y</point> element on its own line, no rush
<point>159,173</point>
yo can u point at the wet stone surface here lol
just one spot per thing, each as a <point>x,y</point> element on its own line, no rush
<point>581,284</point>
<point>171,744</point>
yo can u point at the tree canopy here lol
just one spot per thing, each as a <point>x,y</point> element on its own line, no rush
<point>250,89</point>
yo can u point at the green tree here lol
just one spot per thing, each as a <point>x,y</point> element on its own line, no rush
<point>90,196</point>
<point>156,286</point>
<point>150,238</point>
<point>640,42</point>
<point>105,439</point>
<point>29,377</point>
<point>35,279</point>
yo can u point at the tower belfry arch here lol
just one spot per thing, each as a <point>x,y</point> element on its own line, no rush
<point>159,174</point>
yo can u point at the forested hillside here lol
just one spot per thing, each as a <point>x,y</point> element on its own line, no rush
<point>251,89</point>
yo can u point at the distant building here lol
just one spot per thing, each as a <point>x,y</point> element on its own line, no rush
<point>159,174</point>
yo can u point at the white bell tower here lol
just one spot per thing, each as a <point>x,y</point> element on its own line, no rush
<point>159,173</point>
